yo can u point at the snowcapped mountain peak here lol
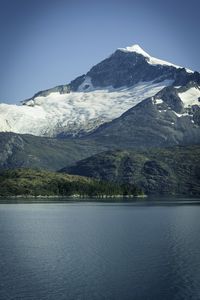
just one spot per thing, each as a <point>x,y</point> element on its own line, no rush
<point>135,48</point>
<point>104,93</point>
<point>150,59</point>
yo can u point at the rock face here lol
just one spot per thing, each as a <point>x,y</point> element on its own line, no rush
<point>109,89</point>
<point>159,171</point>
<point>129,68</point>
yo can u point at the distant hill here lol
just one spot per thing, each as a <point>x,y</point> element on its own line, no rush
<point>173,170</point>
<point>28,151</point>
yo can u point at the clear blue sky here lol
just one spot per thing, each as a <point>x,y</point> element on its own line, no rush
<point>45,43</point>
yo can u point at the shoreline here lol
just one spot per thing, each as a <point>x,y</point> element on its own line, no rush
<point>76,196</point>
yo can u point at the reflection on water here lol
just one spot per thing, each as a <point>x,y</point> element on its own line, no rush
<point>99,251</point>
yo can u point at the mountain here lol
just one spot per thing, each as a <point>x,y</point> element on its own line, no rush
<point>108,90</point>
<point>173,170</point>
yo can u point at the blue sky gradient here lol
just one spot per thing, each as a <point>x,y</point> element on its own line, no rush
<point>45,43</point>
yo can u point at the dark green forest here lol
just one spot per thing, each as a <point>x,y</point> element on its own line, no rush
<point>32,182</point>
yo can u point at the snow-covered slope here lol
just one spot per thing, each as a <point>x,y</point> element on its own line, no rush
<point>190,97</point>
<point>76,112</point>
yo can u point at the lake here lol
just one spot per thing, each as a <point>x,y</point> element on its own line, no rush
<point>139,250</point>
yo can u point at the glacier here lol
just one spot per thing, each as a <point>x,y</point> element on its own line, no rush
<point>74,113</point>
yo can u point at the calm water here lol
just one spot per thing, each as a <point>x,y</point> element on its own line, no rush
<point>99,251</point>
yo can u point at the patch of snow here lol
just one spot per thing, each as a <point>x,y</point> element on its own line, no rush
<point>135,48</point>
<point>190,97</point>
<point>74,112</point>
<point>155,61</point>
<point>158,101</point>
<point>180,115</point>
